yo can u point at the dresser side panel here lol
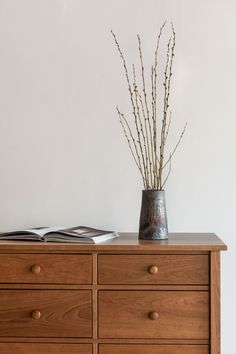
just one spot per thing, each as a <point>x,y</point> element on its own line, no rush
<point>215,302</point>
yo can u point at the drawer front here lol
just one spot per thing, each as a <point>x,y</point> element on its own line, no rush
<point>154,314</point>
<point>44,348</point>
<point>46,268</point>
<point>152,349</point>
<point>45,313</point>
<point>153,269</point>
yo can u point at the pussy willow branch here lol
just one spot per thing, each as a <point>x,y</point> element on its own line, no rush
<point>168,174</point>
<point>144,154</point>
<point>147,121</point>
<point>133,149</point>
<point>154,94</point>
<point>131,98</point>
<point>154,131</point>
<point>168,127</point>
<point>143,144</point>
<point>149,160</point>
<point>167,85</point>
<point>165,109</point>
<point>176,146</point>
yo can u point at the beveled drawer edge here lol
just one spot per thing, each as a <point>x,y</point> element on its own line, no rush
<point>154,287</point>
<point>91,340</point>
<point>45,286</point>
<point>151,253</point>
<point>98,250</point>
<point>18,286</point>
<point>153,341</point>
<point>49,253</point>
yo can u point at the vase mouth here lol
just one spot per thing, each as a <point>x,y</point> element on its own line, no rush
<point>153,190</point>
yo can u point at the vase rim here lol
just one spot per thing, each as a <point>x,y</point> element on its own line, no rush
<point>153,190</point>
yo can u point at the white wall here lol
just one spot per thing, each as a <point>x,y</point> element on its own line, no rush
<point>63,157</point>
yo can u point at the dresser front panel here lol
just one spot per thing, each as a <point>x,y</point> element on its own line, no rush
<point>126,314</point>
<point>153,269</point>
<point>152,349</point>
<point>45,348</point>
<point>123,296</point>
<point>46,268</point>
<point>45,313</point>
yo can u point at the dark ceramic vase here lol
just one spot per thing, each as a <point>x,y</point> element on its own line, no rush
<point>153,217</point>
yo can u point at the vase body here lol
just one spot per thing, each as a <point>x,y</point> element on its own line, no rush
<point>153,216</point>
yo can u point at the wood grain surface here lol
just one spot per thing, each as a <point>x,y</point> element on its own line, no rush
<point>215,303</point>
<point>152,349</point>
<point>125,314</point>
<point>55,269</point>
<point>168,269</point>
<point>128,242</point>
<point>64,313</point>
<point>44,348</point>
<point>123,296</point>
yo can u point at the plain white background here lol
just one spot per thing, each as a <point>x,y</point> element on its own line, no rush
<point>63,157</point>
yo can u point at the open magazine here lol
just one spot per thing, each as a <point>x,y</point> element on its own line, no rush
<point>78,234</point>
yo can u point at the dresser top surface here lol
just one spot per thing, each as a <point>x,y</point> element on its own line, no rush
<point>126,242</point>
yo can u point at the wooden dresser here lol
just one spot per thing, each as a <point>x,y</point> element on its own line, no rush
<point>124,296</point>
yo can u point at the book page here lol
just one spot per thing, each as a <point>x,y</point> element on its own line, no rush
<point>41,231</point>
<point>84,231</point>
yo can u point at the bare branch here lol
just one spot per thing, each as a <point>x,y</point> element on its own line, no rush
<point>147,121</point>
<point>143,153</point>
<point>135,150</point>
<point>131,96</point>
<point>176,146</point>
<point>127,77</point>
<point>126,70</point>
<point>154,98</point>
<point>168,127</point>
<point>165,109</point>
<point>142,136</point>
<point>168,174</point>
<point>167,84</point>
<point>154,131</point>
<point>147,139</point>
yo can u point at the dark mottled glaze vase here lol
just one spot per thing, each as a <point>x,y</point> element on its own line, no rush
<point>153,216</point>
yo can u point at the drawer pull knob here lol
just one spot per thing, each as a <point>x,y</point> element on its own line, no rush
<point>153,315</point>
<point>36,269</point>
<point>36,314</point>
<point>153,269</point>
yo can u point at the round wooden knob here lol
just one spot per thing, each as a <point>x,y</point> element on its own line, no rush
<point>153,269</point>
<point>153,315</point>
<point>36,269</point>
<point>36,314</point>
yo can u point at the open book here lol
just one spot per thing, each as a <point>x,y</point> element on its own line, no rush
<point>78,234</point>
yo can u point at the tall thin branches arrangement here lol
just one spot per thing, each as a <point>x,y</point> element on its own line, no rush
<point>147,133</point>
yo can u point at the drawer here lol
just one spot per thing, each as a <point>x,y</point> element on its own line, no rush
<point>46,268</point>
<point>44,348</point>
<point>153,269</point>
<point>45,313</point>
<point>152,349</point>
<point>154,314</point>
